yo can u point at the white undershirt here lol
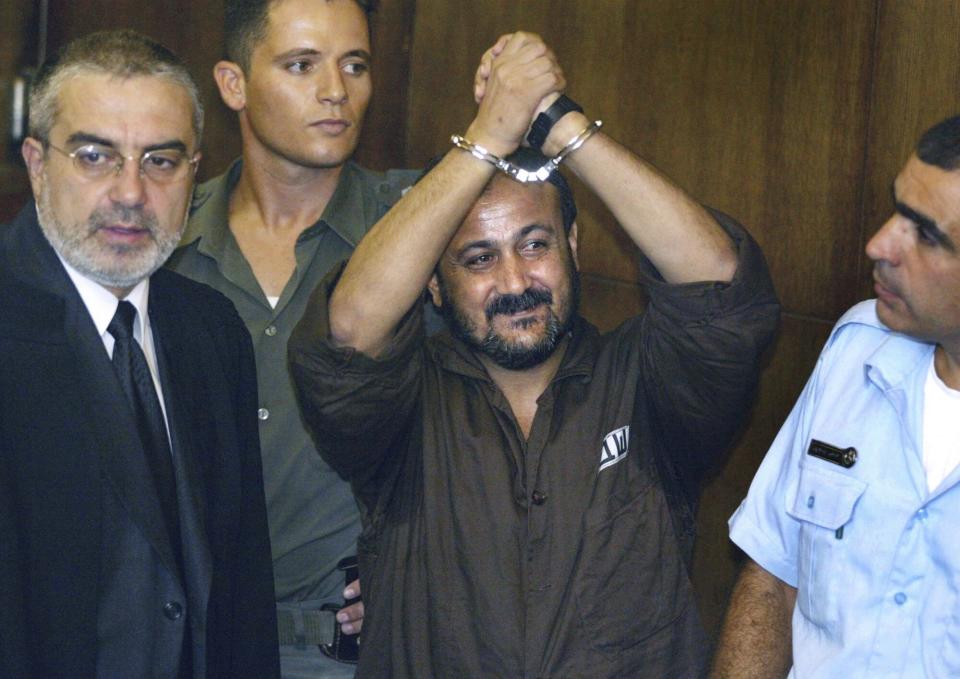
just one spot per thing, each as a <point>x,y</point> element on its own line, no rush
<point>941,429</point>
<point>273,300</point>
<point>102,305</point>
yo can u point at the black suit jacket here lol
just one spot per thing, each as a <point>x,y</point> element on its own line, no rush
<point>66,435</point>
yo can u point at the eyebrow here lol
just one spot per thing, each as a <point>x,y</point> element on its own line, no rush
<point>87,138</point>
<point>164,145</point>
<point>489,244</point>
<point>363,54</point>
<point>475,245</point>
<point>298,52</point>
<point>527,230</point>
<point>926,224</point>
<point>311,52</point>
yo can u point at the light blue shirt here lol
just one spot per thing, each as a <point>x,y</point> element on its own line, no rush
<point>874,556</point>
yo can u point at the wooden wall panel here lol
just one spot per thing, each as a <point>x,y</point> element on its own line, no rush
<point>16,27</point>
<point>383,140</point>
<point>755,106</point>
<point>12,199</point>
<point>16,22</point>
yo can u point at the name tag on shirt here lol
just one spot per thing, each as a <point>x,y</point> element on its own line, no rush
<point>845,457</point>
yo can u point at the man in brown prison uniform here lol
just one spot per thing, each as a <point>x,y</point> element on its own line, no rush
<point>527,485</point>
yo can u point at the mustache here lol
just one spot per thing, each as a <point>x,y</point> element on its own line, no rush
<point>511,304</point>
<point>879,277</point>
<point>125,214</point>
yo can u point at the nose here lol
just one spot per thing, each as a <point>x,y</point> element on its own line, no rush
<point>886,244</point>
<point>331,89</point>
<point>513,277</point>
<point>128,186</point>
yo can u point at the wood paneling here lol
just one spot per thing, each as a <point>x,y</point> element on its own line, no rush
<point>17,29</point>
<point>17,51</point>
<point>12,201</point>
<point>382,142</point>
<point>755,107</point>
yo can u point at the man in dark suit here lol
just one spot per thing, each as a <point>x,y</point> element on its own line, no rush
<point>133,535</point>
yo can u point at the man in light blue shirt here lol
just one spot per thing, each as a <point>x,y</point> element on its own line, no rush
<point>851,521</point>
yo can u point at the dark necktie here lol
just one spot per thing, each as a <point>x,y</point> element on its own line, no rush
<point>134,373</point>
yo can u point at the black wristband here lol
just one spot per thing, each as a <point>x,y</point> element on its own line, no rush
<point>544,122</point>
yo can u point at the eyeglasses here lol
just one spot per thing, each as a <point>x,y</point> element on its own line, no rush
<point>163,166</point>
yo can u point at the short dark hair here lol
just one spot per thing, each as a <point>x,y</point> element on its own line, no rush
<point>245,25</point>
<point>528,159</point>
<point>121,54</point>
<point>940,145</point>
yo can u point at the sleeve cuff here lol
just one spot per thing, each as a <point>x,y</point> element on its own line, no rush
<point>747,537</point>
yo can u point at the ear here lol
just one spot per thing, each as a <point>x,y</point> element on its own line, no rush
<point>34,156</point>
<point>232,84</point>
<point>433,287</point>
<point>572,240</point>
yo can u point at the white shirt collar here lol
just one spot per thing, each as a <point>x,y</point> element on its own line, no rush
<point>102,304</point>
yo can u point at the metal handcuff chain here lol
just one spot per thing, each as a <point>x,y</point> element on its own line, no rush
<point>518,173</point>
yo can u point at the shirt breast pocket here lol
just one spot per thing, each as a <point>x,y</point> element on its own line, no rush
<point>824,505</point>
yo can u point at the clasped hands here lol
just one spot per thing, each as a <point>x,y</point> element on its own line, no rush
<point>518,77</point>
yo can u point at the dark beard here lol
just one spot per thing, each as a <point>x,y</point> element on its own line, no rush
<point>505,354</point>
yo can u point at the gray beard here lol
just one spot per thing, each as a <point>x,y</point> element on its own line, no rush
<point>110,266</point>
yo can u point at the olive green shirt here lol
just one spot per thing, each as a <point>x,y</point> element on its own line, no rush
<point>314,521</point>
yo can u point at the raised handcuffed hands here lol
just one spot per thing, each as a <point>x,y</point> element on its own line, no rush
<point>518,77</point>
